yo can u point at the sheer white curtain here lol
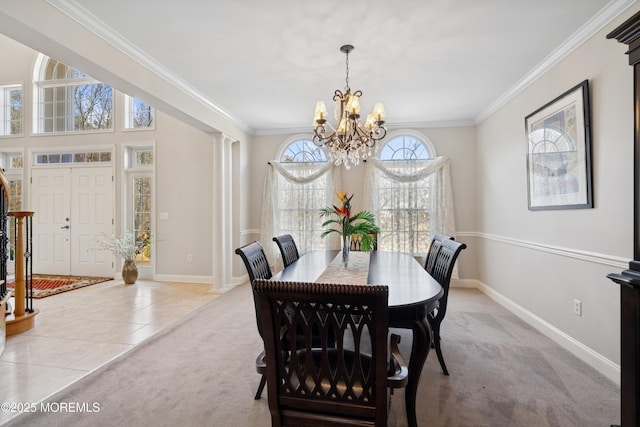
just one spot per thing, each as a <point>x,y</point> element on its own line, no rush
<point>412,200</point>
<point>293,195</point>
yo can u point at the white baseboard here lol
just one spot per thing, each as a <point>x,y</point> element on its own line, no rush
<point>206,280</point>
<point>241,280</point>
<point>182,278</point>
<point>594,359</point>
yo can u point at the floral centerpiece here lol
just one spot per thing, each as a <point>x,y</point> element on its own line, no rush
<point>361,224</point>
<point>127,247</point>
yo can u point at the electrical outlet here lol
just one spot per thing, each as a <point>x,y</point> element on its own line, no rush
<point>189,258</point>
<point>577,307</point>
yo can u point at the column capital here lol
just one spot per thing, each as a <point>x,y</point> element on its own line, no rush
<point>222,138</point>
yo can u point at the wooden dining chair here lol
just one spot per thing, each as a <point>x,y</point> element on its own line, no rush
<point>257,265</point>
<point>434,248</point>
<point>288,249</point>
<point>320,383</point>
<point>441,271</point>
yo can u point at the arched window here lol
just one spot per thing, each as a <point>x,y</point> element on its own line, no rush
<point>302,151</point>
<point>406,147</point>
<point>298,184</point>
<point>405,181</point>
<point>68,100</point>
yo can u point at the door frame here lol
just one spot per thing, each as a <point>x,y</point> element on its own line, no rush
<point>29,164</point>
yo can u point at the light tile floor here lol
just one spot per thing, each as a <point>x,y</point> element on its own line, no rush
<point>79,331</point>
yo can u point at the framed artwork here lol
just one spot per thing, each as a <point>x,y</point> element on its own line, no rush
<point>559,152</point>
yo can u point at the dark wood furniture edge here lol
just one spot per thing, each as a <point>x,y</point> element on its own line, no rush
<point>629,280</point>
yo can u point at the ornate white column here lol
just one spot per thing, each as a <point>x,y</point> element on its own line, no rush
<point>222,261</point>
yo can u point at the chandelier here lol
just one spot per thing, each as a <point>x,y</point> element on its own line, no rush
<point>350,140</point>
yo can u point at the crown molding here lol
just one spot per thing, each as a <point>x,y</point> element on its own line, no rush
<point>584,33</point>
<point>389,126</point>
<point>82,16</point>
<point>74,10</point>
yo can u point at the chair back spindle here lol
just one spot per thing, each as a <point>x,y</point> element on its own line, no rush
<point>319,383</point>
<point>434,248</point>
<point>288,249</point>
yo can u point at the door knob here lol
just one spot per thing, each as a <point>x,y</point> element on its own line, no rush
<point>64,226</point>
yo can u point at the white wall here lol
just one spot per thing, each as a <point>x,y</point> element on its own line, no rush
<point>183,177</point>
<point>542,260</point>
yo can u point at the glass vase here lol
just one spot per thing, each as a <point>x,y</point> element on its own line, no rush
<point>346,247</point>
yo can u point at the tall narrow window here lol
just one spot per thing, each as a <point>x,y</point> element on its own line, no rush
<point>12,164</point>
<point>138,114</point>
<point>69,100</point>
<point>141,205</point>
<point>140,163</point>
<point>11,110</point>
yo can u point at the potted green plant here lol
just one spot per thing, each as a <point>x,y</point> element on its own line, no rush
<point>346,225</point>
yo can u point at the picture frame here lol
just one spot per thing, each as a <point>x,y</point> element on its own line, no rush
<point>558,137</point>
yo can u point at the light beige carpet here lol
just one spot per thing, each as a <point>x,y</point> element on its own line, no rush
<point>202,373</point>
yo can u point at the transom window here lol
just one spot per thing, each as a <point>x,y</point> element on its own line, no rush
<point>76,157</point>
<point>68,100</point>
<point>11,110</point>
<point>140,157</point>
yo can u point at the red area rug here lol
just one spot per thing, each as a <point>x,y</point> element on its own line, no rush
<point>47,285</point>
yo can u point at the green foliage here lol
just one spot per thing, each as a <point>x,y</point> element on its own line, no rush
<point>361,224</point>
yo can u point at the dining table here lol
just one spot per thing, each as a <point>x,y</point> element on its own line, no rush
<point>413,294</point>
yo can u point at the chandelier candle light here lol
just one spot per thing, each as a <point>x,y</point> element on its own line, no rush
<point>350,141</point>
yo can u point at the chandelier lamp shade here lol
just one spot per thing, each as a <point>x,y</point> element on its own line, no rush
<point>350,140</point>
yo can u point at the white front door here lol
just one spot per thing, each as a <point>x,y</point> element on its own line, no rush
<point>91,218</point>
<point>73,207</point>
<point>51,201</point>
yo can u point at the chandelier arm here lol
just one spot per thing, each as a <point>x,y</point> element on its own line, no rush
<point>383,130</point>
<point>319,139</point>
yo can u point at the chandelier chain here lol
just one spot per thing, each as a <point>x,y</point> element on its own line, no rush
<point>347,62</point>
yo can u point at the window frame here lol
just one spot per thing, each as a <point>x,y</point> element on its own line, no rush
<point>129,110</point>
<point>6,122</point>
<point>286,205</point>
<point>133,171</point>
<point>293,140</point>
<point>67,85</point>
<point>407,213</point>
<point>13,175</point>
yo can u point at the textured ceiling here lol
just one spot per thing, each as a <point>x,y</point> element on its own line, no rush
<point>267,62</point>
